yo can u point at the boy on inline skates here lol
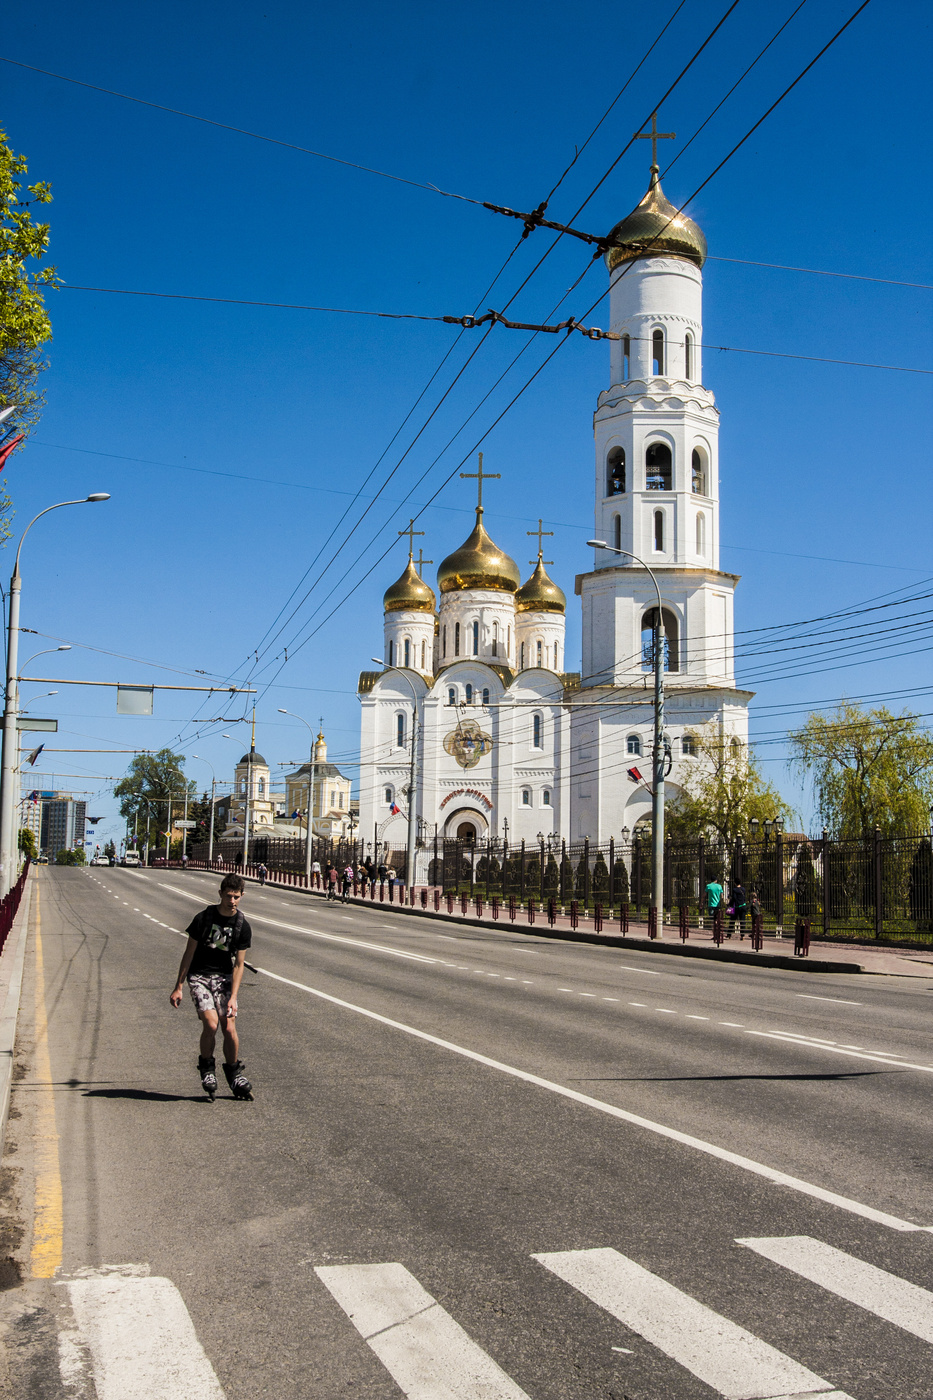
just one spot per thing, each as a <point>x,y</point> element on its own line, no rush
<point>213,963</point>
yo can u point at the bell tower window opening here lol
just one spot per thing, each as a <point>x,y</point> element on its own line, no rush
<point>688,355</point>
<point>536,732</point>
<point>657,352</point>
<point>617,532</point>
<point>522,663</point>
<point>469,695</point>
<point>626,357</point>
<point>659,467</point>
<point>486,695</point>
<point>451,696</point>
<point>391,653</point>
<point>495,639</point>
<point>701,534</point>
<point>659,532</point>
<point>444,643</point>
<point>424,655</point>
<point>456,639</point>
<point>555,656</point>
<point>540,659</point>
<point>508,644</point>
<point>671,640</point>
<point>476,639</point>
<point>407,662</point>
<point>399,733</point>
<point>615,472</point>
<point>698,473</point>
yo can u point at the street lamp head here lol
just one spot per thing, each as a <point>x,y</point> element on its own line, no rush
<point>597,544</point>
<point>378,660</point>
<point>99,496</point>
<point>283,712</point>
<point>64,648</point>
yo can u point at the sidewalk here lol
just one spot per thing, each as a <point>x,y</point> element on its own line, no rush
<point>824,956</point>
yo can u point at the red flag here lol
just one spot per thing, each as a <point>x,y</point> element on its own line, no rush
<point>635,775</point>
<point>8,447</point>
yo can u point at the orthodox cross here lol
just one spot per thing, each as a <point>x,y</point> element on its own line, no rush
<point>654,136</point>
<point>480,476</point>
<point>540,534</point>
<point>411,532</point>
<point>421,561</point>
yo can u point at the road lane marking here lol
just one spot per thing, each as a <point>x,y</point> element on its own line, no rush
<point>722,1154</point>
<point>427,1353</point>
<point>737,1025</point>
<point>663,1011</point>
<point>879,1058</point>
<point>691,1017</point>
<point>894,1299</point>
<point>726,1357</point>
<point>647,971</point>
<point>809,996</point>
<point>610,998</point>
<point>141,1338</point>
<point>636,1003</point>
<point>46,1254</point>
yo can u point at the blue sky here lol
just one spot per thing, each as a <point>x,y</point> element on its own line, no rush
<point>233,438</point>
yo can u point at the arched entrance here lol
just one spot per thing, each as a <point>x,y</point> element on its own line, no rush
<point>466,831</point>
<point>466,825</point>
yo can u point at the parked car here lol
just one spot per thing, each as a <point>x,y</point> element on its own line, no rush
<point>42,860</point>
<point>131,858</point>
<point>99,860</point>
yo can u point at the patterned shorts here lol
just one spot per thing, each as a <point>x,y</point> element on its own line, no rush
<point>210,991</point>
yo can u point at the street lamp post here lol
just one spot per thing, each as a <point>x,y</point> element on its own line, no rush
<point>249,793</point>
<point>210,823</point>
<point>412,814</point>
<point>11,708</point>
<point>309,828</point>
<point>660,754</point>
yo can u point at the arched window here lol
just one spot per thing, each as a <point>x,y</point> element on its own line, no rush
<point>658,467</point>
<point>522,663</point>
<point>508,645</point>
<point>469,695</point>
<point>407,661</point>
<point>540,659</point>
<point>701,534</point>
<point>736,747</point>
<point>495,639</point>
<point>526,797</point>
<point>388,797</point>
<point>688,746</point>
<point>617,532</point>
<point>633,745</point>
<point>659,531</point>
<point>615,472</point>
<point>451,696</point>
<point>698,471</point>
<point>555,656</point>
<point>262,787</point>
<point>444,643</point>
<point>399,733</point>
<point>391,653</point>
<point>485,694</point>
<point>671,640</point>
<point>657,352</point>
<point>456,639</point>
<point>476,639</point>
<point>626,357</point>
<point>688,354</point>
<point>546,797</point>
<point>536,732</point>
<point>424,654</point>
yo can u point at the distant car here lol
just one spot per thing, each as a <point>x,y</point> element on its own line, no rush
<point>131,858</point>
<point>42,860</point>
<point>99,860</point>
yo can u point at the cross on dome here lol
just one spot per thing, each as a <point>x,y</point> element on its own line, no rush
<point>421,561</point>
<point>654,136</point>
<point>411,532</point>
<point>540,532</point>
<point>480,476</point>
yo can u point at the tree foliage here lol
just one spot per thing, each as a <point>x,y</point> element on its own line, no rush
<point>27,842</point>
<point>24,322</point>
<point>722,791</point>
<point>868,768</point>
<point>152,778</point>
<point>75,857</point>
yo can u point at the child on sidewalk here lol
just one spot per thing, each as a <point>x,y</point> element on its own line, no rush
<point>213,963</point>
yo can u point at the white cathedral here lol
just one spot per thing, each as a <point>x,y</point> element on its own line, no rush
<point>510,744</point>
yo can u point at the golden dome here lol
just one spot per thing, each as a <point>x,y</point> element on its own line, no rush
<point>410,593</point>
<point>655,227</point>
<point>540,593</point>
<point>478,563</point>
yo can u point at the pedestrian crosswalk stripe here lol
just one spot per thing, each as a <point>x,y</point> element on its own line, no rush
<point>907,1305</point>
<point>427,1353</point>
<point>733,1362</point>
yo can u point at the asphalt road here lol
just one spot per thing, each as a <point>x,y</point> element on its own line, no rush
<point>462,1106</point>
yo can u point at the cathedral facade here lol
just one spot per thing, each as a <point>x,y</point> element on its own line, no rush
<point>510,745</point>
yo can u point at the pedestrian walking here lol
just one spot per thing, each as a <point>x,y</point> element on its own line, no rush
<point>347,883</point>
<point>331,876</point>
<point>714,893</point>
<point>383,872</point>
<point>315,874</point>
<point>739,907</point>
<point>212,964</point>
<point>263,872</point>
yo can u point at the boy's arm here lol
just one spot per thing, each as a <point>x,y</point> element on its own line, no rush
<point>237,979</point>
<point>183,966</point>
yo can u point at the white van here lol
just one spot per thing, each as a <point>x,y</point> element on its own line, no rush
<point>132,858</point>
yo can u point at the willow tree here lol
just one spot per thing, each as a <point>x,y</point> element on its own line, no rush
<point>722,789</point>
<point>868,768</point>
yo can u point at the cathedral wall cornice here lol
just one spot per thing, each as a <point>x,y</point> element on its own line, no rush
<point>678,397</point>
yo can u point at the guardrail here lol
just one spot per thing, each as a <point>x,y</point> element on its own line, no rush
<point>10,903</point>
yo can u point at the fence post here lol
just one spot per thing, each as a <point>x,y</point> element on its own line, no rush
<point>879,893</point>
<point>684,921</point>
<point>668,900</point>
<point>563,867</point>
<point>612,875</point>
<point>652,922</point>
<point>551,913</point>
<point>623,919</point>
<point>521,887</point>
<point>636,861</point>
<point>531,908</point>
<point>574,913</point>
<point>779,881</point>
<point>512,907</point>
<point>825,883</point>
<point>586,873</point>
<point>701,891</point>
<point>717,924</point>
<point>597,917</point>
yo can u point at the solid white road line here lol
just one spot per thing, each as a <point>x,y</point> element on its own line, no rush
<point>726,1357</point>
<point>142,1342</point>
<point>427,1353</point>
<point>894,1299</point>
<point>882,1058</point>
<point>778,1178</point>
<point>809,996</point>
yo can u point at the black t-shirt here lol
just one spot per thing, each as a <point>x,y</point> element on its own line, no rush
<point>218,939</point>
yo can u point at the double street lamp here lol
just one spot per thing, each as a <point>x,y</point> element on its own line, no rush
<point>412,813</point>
<point>309,831</point>
<point>9,763</point>
<point>659,759</point>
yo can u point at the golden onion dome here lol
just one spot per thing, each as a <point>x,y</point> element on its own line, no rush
<point>655,227</point>
<point>409,593</point>
<point>478,563</point>
<point>540,593</point>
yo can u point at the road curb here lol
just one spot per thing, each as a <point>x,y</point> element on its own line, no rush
<point>11,984</point>
<point>783,961</point>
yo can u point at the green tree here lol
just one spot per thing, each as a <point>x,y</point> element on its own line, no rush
<point>551,878</point>
<point>75,857</point>
<point>868,768</point>
<point>620,881</point>
<point>27,842</point>
<point>110,850</point>
<point>600,878</point>
<point>920,885</point>
<point>721,791</point>
<point>24,322</point>
<point>806,888</point>
<point>151,779</point>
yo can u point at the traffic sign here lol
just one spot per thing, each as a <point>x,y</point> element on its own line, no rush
<point>185,826</point>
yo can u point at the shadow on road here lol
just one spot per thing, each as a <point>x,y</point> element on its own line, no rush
<point>147,1095</point>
